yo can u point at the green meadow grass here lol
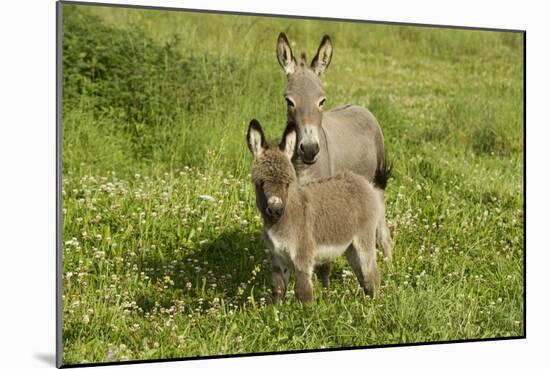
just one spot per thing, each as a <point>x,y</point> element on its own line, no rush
<point>162,248</point>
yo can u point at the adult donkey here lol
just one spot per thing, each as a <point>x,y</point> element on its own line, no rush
<point>347,137</point>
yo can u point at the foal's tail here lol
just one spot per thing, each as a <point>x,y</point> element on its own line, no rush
<point>382,174</point>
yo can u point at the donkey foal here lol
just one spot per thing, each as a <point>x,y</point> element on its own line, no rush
<point>308,225</point>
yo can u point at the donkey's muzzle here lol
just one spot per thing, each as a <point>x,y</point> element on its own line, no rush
<point>309,152</point>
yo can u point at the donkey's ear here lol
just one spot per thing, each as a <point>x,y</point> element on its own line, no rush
<point>284,54</point>
<point>322,60</point>
<point>288,143</point>
<point>255,138</point>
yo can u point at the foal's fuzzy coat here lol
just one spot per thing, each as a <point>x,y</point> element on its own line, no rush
<point>307,225</point>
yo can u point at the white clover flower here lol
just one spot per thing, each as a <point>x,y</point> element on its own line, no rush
<point>111,354</point>
<point>347,273</point>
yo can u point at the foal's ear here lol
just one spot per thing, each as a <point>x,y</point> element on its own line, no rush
<point>284,54</point>
<point>255,138</point>
<point>288,143</point>
<point>322,60</point>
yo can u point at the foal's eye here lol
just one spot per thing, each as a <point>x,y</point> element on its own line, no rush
<point>322,102</point>
<point>289,102</point>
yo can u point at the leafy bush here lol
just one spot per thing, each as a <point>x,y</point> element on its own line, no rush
<point>127,76</point>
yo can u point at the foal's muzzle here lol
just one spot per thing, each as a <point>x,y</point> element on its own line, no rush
<point>274,212</point>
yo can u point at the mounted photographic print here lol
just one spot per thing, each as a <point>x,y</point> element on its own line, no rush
<point>239,184</point>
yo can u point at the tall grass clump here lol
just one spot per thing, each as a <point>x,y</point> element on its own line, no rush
<point>136,85</point>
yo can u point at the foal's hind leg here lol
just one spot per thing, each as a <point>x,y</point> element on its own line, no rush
<point>382,232</point>
<point>383,238</point>
<point>361,256</point>
<point>323,272</point>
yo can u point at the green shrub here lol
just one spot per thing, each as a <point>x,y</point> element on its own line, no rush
<point>131,79</point>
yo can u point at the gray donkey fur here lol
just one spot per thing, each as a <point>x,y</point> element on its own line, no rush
<point>344,138</point>
<point>306,225</point>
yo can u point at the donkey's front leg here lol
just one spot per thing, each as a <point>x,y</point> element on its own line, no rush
<point>323,271</point>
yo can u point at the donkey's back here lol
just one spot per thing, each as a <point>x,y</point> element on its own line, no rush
<point>354,139</point>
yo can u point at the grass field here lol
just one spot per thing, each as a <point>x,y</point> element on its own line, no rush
<point>162,248</point>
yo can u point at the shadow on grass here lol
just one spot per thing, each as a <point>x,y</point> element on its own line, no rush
<point>233,264</point>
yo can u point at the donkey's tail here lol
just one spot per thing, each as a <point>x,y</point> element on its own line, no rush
<point>382,174</point>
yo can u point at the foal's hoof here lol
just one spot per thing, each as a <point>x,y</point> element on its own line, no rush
<point>276,299</point>
<point>305,301</point>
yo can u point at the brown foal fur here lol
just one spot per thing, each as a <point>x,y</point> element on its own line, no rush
<point>308,225</point>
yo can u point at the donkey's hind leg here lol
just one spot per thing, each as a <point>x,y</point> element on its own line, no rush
<point>323,272</point>
<point>361,256</point>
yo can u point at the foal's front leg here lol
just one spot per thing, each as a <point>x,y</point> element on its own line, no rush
<point>279,271</point>
<point>279,278</point>
<point>278,284</point>
<point>303,266</point>
<point>304,286</point>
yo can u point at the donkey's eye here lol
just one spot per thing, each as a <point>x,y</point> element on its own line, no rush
<point>289,102</point>
<point>322,102</point>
